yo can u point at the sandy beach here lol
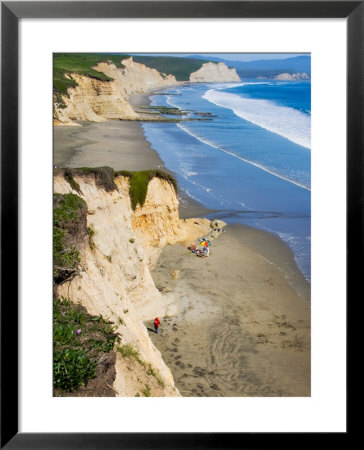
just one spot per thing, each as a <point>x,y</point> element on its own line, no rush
<point>242,330</point>
<point>243,327</point>
<point>117,144</point>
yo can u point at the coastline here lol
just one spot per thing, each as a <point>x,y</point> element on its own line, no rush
<point>244,316</point>
<point>245,330</point>
<point>118,144</point>
<point>122,145</point>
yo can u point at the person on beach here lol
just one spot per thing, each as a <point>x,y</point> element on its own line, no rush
<point>156,324</point>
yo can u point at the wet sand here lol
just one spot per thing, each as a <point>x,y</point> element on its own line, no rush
<point>117,144</point>
<point>244,323</point>
<point>242,330</point>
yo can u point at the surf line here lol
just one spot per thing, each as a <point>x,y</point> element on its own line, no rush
<point>242,159</point>
<point>251,116</point>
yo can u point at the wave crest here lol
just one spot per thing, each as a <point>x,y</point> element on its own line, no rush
<point>284,121</point>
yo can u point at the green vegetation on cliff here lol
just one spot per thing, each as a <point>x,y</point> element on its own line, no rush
<point>180,67</point>
<point>139,183</point>
<point>80,63</point>
<point>104,177</point>
<point>79,342</point>
<point>69,228</point>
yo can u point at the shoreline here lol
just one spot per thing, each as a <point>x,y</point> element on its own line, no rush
<point>261,347</point>
<point>95,144</point>
<point>104,144</point>
<point>245,330</point>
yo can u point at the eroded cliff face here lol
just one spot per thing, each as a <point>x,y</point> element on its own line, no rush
<point>115,278</point>
<point>214,72</point>
<point>98,101</point>
<point>292,76</point>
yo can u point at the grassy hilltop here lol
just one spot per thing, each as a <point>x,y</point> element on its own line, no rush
<point>82,63</point>
<point>181,68</point>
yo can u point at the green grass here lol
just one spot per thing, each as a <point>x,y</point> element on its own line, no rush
<point>181,68</point>
<point>129,351</point>
<point>66,208</point>
<point>155,373</point>
<point>65,259</point>
<point>80,63</point>
<point>90,233</point>
<point>139,182</point>
<point>146,391</point>
<point>69,178</point>
<point>75,355</point>
<point>104,176</point>
<point>68,211</point>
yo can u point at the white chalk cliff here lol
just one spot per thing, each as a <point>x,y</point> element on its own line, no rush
<point>115,279</point>
<point>214,72</point>
<point>98,101</point>
<point>292,76</point>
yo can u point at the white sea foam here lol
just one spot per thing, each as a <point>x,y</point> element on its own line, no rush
<point>287,122</point>
<point>211,144</point>
<point>171,103</point>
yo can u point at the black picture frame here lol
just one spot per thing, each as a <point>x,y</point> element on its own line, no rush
<point>11,12</point>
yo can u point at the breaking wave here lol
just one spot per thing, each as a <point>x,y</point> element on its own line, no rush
<point>284,121</point>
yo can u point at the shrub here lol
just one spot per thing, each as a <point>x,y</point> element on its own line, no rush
<point>66,208</point>
<point>69,225</point>
<point>78,341</point>
<point>72,368</point>
<point>104,176</point>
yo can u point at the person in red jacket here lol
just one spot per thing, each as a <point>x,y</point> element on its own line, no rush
<point>156,324</point>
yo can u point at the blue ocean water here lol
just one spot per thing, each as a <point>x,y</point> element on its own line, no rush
<point>251,161</point>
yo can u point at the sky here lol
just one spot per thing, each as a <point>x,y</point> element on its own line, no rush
<point>237,56</point>
<point>254,56</point>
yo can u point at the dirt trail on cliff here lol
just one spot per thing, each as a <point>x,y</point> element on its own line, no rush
<point>241,330</point>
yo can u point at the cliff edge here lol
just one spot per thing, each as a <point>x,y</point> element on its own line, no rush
<point>96,100</point>
<point>114,279</point>
<point>214,72</point>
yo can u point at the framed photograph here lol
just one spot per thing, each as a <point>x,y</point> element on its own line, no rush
<point>130,128</point>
